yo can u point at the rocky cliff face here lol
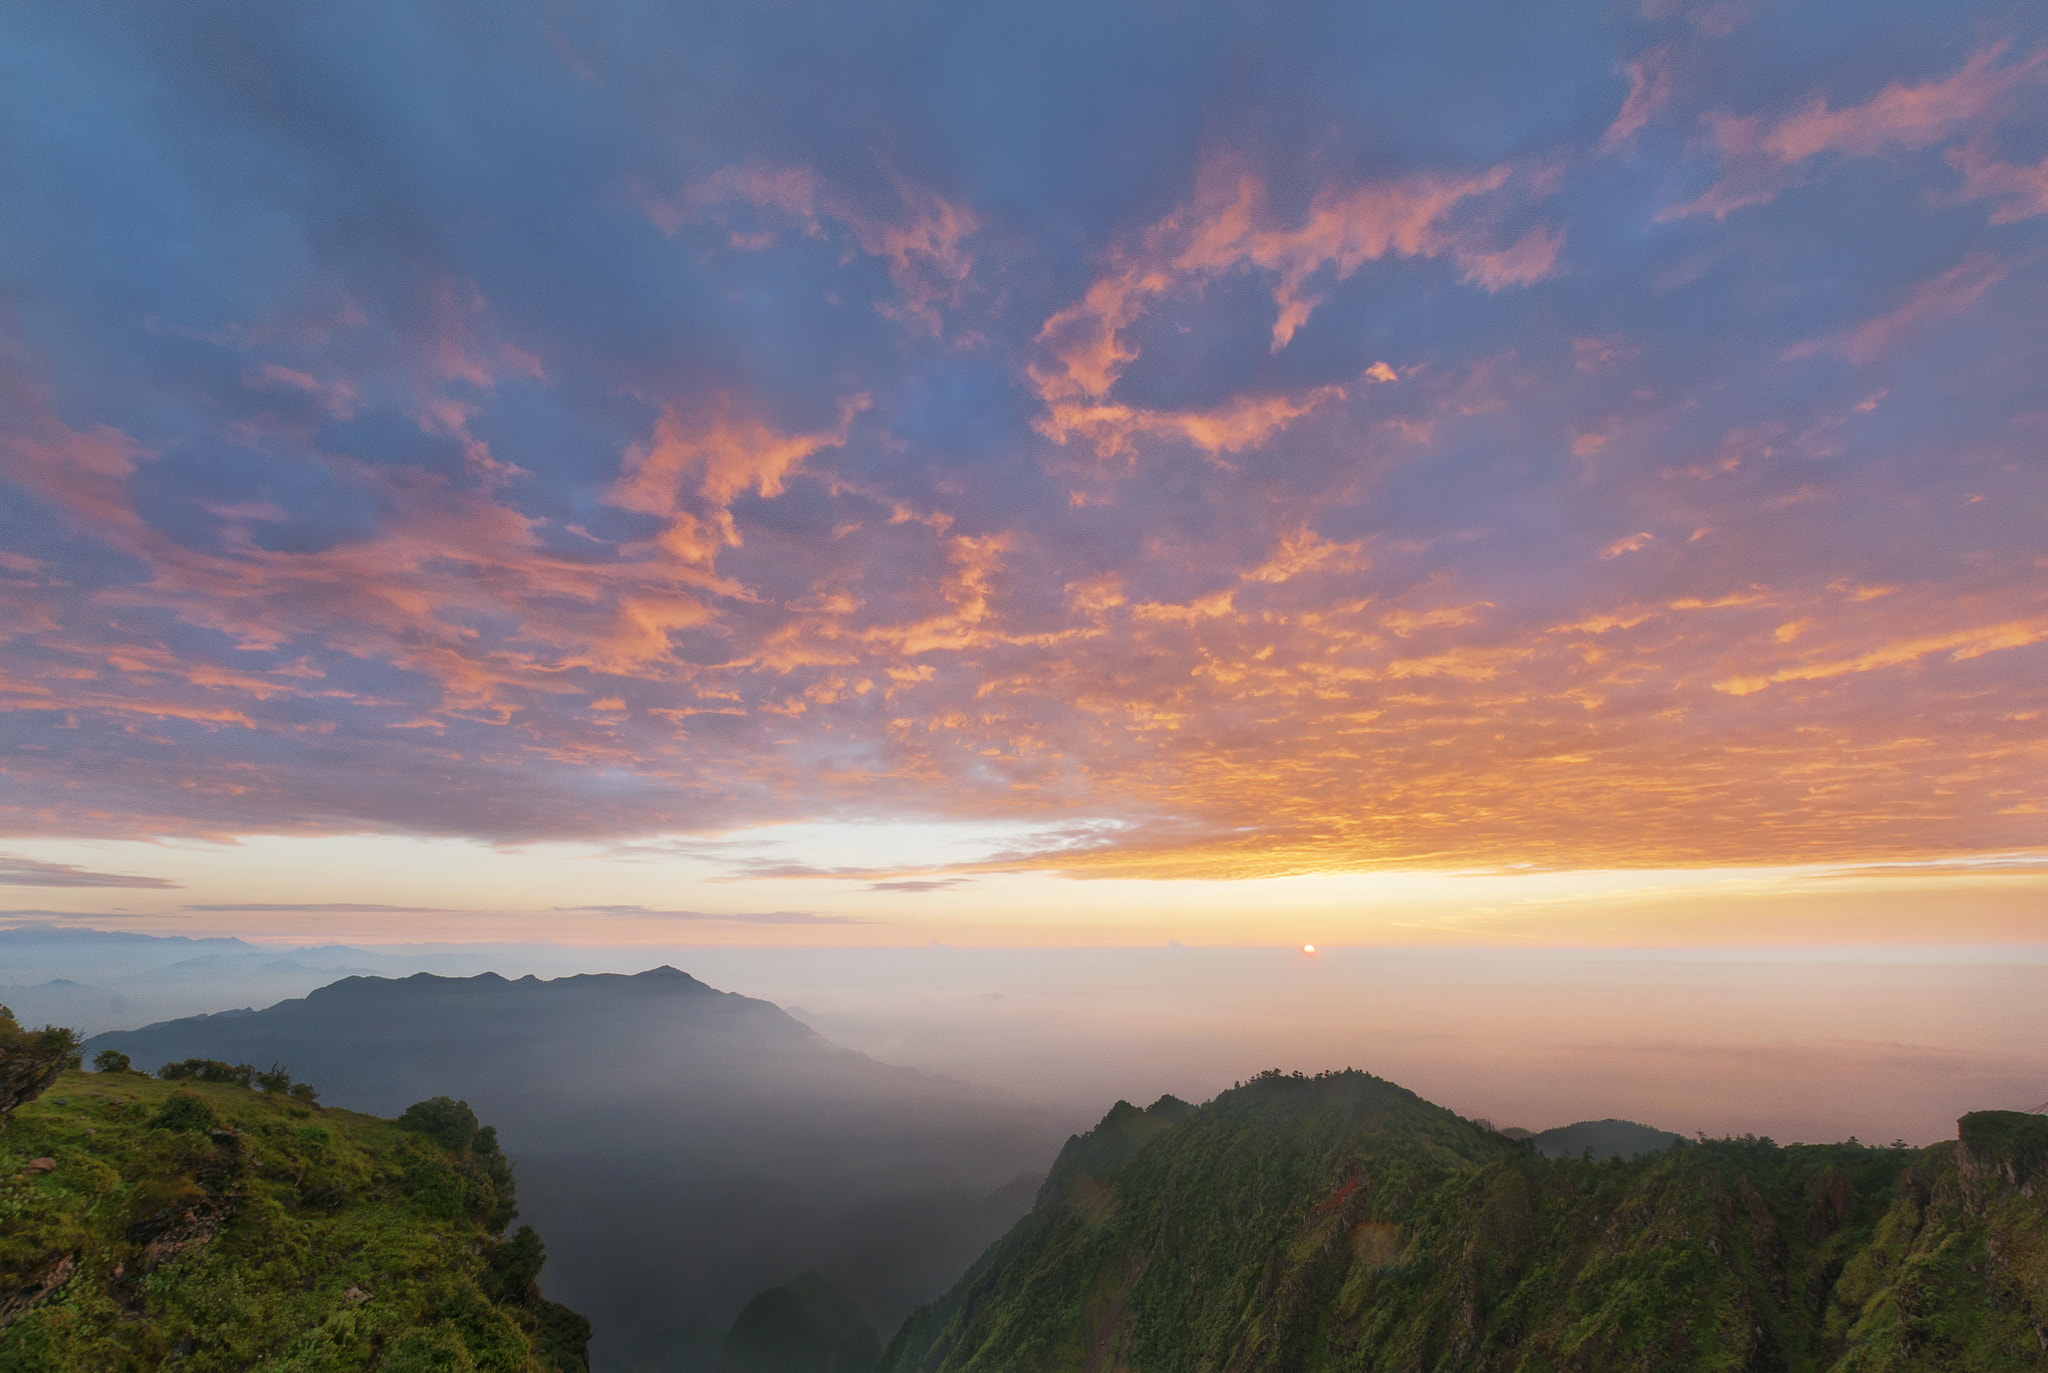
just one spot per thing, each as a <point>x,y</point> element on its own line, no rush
<point>2002,1149</point>
<point>1341,1222</point>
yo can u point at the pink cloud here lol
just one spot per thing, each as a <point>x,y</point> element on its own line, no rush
<point>725,454</point>
<point>2023,189</point>
<point>1952,293</point>
<point>1902,115</point>
<point>924,244</point>
<point>1649,91</point>
<point>1761,159</point>
<point>1229,227</point>
<point>1527,260</point>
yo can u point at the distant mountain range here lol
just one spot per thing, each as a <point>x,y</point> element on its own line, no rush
<point>96,980</point>
<point>1341,1221</point>
<point>681,1147</point>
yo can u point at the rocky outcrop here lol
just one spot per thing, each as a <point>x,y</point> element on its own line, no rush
<point>2009,1147</point>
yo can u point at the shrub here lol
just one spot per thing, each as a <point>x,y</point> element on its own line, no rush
<point>277,1081</point>
<point>208,1070</point>
<point>512,1269</point>
<point>445,1120</point>
<point>110,1061</point>
<point>186,1111</point>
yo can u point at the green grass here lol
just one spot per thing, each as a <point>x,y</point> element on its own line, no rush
<point>206,1226</point>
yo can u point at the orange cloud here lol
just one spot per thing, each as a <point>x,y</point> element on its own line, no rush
<point>1961,646</point>
<point>1228,227</point>
<point>728,456</point>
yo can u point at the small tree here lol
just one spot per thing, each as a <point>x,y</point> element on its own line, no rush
<point>110,1061</point>
<point>277,1081</point>
<point>303,1092</point>
<point>30,1060</point>
<point>186,1110</point>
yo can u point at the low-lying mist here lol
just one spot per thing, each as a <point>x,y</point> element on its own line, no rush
<point>679,1153</point>
<point>678,1148</point>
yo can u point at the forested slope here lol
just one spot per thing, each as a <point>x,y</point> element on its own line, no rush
<point>1341,1222</point>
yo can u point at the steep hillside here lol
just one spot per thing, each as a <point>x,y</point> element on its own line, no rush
<point>206,1225</point>
<point>1342,1222</point>
<point>681,1147</point>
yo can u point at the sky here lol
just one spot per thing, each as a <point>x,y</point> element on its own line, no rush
<point>1093,474</point>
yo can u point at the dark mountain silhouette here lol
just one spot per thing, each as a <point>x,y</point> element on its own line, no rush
<point>1608,1138</point>
<point>682,1148</point>
<point>805,1325</point>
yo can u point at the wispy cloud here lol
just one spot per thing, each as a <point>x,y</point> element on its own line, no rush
<point>16,871</point>
<point>1763,157</point>
<point>321,908</point>
<point>712,917</point>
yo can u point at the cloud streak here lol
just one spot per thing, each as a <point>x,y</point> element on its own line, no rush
<point>16,871</point>
<point>710,917</point>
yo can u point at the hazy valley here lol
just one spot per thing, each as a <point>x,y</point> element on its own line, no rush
<point>720,1187</point>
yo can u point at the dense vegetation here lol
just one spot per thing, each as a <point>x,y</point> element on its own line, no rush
<point>1340,1222</point>
<point>30,1060</point>
<point>204,1224</point>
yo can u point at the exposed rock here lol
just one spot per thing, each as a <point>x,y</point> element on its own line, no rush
<point>37,1290</point>
<point>2001,1146</point>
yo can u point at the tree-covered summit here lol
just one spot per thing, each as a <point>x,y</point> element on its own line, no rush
<point>1342,1222</point>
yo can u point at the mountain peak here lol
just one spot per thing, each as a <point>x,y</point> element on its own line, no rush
<point>1339,1220</point>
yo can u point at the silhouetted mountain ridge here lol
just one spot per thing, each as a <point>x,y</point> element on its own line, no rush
<point>1608,1138</point>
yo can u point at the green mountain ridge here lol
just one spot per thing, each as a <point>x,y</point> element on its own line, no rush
<point>208,1226</point>
<point>1342,1222</point>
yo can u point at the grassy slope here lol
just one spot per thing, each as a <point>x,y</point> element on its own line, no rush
<point>1342,1222</point>
<point>295,1238</point>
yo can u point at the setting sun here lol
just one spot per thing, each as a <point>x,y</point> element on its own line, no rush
<point>780,602</point>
